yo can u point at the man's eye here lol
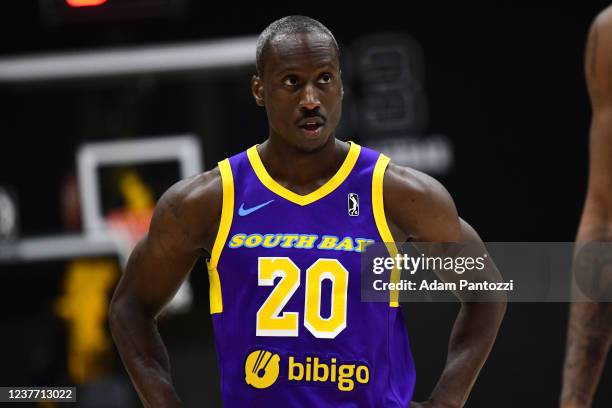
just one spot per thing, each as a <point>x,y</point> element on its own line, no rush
<point>290,81</point>
<point>325,79</point>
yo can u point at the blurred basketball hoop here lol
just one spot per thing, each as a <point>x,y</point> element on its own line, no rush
<point>124,210</point>
<point>128,226</point>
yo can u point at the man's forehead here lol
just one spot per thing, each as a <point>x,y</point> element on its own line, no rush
<point>291,45</point>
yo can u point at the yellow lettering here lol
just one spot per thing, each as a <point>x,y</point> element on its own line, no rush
<point>362,244</point>
<point>333,370</point>
<point>362,374</point>
<point>313,369</point>
<point>316,367</point>
<point>237,241</point>
<point>253,241</point>
<point>300,369</point>
<point>306,241</point>
<point>345,245</point>
<point>288,240</point>
<point>271,240</point>
<point>345,372</point>
<point>308,368</point>
<point>328,242</point>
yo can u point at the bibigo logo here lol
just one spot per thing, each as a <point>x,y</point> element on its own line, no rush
<point>262,369</point>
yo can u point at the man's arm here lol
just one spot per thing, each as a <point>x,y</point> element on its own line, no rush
<point>183,225</point>
<point>421,210</point>
<point>590,324</point>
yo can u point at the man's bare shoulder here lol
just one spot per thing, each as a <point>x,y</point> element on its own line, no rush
<point>419,204</point>
<point>194,204</point>
<point>604,18</point>
<point>201,189</point>
<point>600,39</point>
<point>598,60</point>
<point>414,187</point>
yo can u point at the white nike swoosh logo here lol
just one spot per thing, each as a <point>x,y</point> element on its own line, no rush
<point>246,211</point>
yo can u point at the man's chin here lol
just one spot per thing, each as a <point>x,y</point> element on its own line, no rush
<point>312,145</point>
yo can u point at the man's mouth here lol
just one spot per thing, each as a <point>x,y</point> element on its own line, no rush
<point>311,126</point>
<point>311,129</point>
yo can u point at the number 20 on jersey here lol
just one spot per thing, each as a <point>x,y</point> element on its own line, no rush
<point>270,320</point>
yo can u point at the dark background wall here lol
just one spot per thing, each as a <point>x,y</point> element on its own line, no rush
<point>504,83</point>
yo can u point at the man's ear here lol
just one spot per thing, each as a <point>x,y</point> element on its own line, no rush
<point>257,89</point>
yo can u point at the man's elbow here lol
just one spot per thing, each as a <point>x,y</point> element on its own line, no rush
<point>498,304</point>
<point>116,314</point>
<point>122,314</point>
<point>502,306</point>
<point>498,309</point>
<point>125,312</point>
<point>492,310</point>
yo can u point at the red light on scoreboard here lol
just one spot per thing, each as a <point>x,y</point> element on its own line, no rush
<point>58,12</point>
<point>85,3</point>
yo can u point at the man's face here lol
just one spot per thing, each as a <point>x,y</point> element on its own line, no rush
<point>301,89</point>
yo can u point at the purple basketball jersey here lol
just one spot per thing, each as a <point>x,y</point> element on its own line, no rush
<point>290,327</point>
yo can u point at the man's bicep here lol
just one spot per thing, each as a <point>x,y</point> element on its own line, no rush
<point>598,72</point>
<point>160,262</point>
<point>600,155</point>
<point>154,279</point>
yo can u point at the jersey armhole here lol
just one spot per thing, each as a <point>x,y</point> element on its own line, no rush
<point>378,206</point>
<point>225,223</point>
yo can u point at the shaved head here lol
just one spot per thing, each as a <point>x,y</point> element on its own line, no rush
<point>289,27</point>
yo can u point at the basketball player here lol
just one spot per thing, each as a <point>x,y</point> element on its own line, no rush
<point>590,323</point>
<point>286,223</point>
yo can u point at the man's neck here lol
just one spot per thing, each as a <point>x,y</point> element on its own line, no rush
<point>300,171</point>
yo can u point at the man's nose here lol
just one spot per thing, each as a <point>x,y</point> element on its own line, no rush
<point>309,99</point>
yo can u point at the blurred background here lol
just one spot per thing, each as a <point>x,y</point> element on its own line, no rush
<point>105,104</point>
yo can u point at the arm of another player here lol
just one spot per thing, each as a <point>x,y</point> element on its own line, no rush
<point>421,210</point>
<point>590,324</point>
<point>183,225</point>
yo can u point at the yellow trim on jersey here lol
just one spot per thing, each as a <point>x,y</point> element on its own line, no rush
<point>378,206</point>
<point>227,213</point>
<point>325,189</point>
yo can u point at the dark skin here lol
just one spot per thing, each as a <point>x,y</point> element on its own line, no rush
<point>300,82</point>
<point>308,87</point>
<point>180,232</point>
<point>589,334</point>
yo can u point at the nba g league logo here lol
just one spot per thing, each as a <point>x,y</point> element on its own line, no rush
<point>353,204</point>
